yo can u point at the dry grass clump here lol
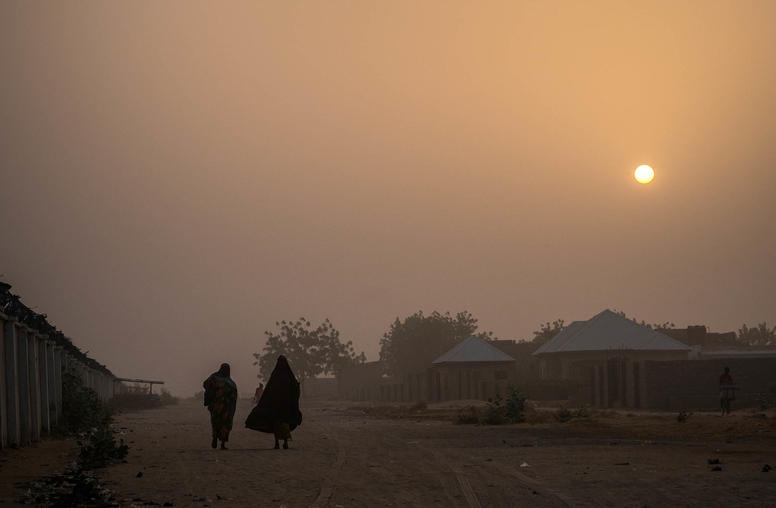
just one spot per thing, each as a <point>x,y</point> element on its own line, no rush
<point>499,410</point>
<point>417,410</point>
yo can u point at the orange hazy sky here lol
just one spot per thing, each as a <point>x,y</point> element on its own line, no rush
<point>177,176</point>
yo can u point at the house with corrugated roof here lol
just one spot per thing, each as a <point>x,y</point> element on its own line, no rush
<point>605,355</point>
<point>473,369</point>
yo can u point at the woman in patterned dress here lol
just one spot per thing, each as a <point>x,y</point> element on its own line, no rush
<point>221,401</point>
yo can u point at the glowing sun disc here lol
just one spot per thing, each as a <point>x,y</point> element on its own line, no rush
<point>644,174</point>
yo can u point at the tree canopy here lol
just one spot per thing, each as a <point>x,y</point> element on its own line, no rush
<point>666,325</point>
<point>411,344</point>
<point>547,331</point>
<point>760,335</point>
<point>311,351</point>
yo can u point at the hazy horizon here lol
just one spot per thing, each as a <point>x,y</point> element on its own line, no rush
<point>176,177</point>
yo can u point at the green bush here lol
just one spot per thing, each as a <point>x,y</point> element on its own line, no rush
<point>468,416</point>
<point>509,410</point>
<point>563,415</point>
<point>81,408</point>
<point>514,405</point>
<point>496,412</point>
<point>582,412</point>
<point>99,448</point>
<point>84,415</point>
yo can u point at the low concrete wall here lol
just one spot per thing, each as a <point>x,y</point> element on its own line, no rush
<point>694,384</point>
<point>31,367</point>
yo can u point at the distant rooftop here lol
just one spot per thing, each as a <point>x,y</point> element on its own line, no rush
<point>473,349</point>
<point>609,331</point>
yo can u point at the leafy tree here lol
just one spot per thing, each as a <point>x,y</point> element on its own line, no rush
<point>547,331</point>
<point>411,345</point>
<point>666,325</point>
<point>760,335</point>
<point>311,351</point>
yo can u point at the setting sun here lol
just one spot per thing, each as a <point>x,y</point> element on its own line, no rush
<point>644,174</point>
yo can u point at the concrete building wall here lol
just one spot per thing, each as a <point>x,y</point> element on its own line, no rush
<point>31,366</point>
<point>52,381</point>
<point>438,383</point>
<point>476,380</point>
<point>34,385</point>
<point>3,400</point>
<point>43,384</point>
<point>604,378</point>
<point>11,429</point>
<point>25,390</point>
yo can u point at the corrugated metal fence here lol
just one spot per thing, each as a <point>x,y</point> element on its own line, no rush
<point>33,356</point>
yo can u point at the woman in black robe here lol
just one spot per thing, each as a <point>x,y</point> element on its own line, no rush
<point>278,409</point>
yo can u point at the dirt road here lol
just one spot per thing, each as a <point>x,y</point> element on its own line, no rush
<point>344,458</point>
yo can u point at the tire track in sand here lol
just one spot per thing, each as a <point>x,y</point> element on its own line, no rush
<point>327,486</point>
<point>523,480</point>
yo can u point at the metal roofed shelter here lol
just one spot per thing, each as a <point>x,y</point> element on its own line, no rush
<point>473,369</point>
<point>605,355</point>
<point>149,382</point>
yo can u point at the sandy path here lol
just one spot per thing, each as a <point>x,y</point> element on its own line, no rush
<point>29,464</point>
<point>342,458</point>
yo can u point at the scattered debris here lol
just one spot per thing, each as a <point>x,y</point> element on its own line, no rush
<point>683,416</point>
<point>74,487</point>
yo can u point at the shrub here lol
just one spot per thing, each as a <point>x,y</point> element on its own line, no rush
<point>85,416</point>
<point>99,448</point>
<point>682,416</point>
<point>582,412</point>
<point>468,416</point>
<point>515,405</point>
<point>563,415</point>
<point>496,412</point>
<point>81,408</point>
<point>532,415</point>
<point>500,411</point>
<point>420,406</point>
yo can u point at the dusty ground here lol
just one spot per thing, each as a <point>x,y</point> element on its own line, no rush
<point>23,465</point>
<point>344,457</point>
